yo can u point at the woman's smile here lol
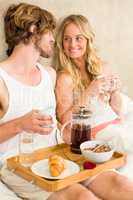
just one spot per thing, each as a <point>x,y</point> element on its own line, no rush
<point>74,43</point>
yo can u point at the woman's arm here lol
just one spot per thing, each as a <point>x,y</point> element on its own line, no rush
<point>64,94</point>
<point>64,97</point>
<point>116,102</point>
<point>115,97</point>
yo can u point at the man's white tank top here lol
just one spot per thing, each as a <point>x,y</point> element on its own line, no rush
<point>22,99</point>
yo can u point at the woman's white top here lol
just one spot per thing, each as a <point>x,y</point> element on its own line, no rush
<point>24,98</point>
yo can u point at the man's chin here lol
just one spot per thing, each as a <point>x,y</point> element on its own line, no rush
<point>46,55</point>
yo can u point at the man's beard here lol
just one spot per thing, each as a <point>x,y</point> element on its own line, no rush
<point>43,53</point>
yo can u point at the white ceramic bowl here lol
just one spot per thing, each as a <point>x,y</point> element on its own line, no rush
<point>94,156</point>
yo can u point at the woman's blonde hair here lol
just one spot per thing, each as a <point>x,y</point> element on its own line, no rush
<point>64,63</point>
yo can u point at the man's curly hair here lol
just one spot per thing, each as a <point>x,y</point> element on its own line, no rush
<point>18,21</point>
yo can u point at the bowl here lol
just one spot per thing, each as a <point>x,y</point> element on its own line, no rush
<point>87,149</point>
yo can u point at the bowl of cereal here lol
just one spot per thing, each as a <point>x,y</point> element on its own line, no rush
<point>97,151</point>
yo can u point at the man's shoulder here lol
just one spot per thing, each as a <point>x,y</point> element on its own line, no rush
<point>51,71</point>
<point>3,87</point>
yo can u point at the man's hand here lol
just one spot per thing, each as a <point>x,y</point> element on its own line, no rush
<point>35,122</point>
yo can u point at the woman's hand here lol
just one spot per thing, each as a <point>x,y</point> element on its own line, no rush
<point>103,84</point>
<point>35,122</point>
<point>114,83</point>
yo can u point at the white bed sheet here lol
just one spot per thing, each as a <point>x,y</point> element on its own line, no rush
<point>127,170</point>
<point>6,193</point>
<point>121,135</point>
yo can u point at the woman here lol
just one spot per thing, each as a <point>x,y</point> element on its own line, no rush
<point>83,79</point>
<point>82,74</point>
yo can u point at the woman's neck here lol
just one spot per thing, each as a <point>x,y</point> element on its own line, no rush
<point>81,64</point>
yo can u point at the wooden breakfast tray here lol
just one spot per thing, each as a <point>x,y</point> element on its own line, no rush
<point>118,160</point>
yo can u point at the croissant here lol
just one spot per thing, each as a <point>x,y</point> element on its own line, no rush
<point>56,165</point>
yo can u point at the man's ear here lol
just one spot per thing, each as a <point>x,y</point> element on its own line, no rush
<point>32,29</point>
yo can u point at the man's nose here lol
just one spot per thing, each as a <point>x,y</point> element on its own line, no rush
<point>52,40</point>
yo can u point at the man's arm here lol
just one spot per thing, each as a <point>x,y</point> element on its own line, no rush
<point>31,122</point>
<point>3,98</point>
<point>7,130</point>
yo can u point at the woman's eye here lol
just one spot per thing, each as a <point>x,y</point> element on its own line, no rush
<point>79,38</point>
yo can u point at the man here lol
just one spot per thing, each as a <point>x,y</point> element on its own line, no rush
<point>25,88</point>
<point>28,32</point>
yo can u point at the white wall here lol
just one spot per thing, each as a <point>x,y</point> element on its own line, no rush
<point>112,21</point>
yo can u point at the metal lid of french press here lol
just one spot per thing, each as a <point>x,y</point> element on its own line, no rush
<point>82,113</point>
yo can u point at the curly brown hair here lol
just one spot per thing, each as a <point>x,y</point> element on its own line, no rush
<point>18,21</point>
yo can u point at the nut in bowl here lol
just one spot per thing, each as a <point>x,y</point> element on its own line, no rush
<point>97,151</point>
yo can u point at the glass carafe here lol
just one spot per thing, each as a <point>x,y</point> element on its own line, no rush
<point>80,128</point>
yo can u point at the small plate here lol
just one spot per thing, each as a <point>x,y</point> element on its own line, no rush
<point>40,168</point>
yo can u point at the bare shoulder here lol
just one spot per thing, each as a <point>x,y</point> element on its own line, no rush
<point>52,74</point>
<point>2,85</point>
<point>2,91</point>
<point>65,79</point>
<point>3,98</point>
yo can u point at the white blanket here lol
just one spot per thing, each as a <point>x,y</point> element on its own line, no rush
<point>7,194</point>
<point>121,135</point>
